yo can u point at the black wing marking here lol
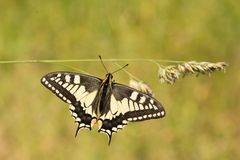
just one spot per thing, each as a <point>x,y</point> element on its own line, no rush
<point>128,105</point>
<point>79,90</point>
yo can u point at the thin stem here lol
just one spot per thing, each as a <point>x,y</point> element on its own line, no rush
<point>89,60</point>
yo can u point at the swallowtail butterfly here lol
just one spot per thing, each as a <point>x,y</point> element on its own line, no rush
<point>103,102</point>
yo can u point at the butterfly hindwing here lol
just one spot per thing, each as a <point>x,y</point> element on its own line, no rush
<point>79,90</point>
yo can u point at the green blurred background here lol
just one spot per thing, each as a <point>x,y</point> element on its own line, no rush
<point>202,119</point>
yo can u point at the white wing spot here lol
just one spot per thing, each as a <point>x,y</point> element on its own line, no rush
<point>125,105</point>
<point>120,108</point>
<point>57,80</point>
<point>59,75</point>
<point>69,87</point>
<point>81,125</point>
<point>120,126</point>
<point>52,79</point>
<point>129,119</point>
<point>154,115</point>
<point>145,116</point>
<point>151,101</point>
<point>134,95</point>
<point>114,129</point>
<point>77,79</point>
<point>140,118</point>
<point>73,90</point>
<point>78,119</point>
<point>72,107</point>
<point>108,115</point>
<point>74,114</point>
<point>65,85</point>
<point>141,107</point>
<point>131,107</point>
<point>43,79</point>
<point>142,100</point>
<point>149,115</point>
<point>67,78</point>
<point>158,114</point>
<point>155,107</point>
<point>135,118</point>
<point>89,110</point>
<point>124,122</point>
<point>113,105</point>
<point>60,82</point>
<point>162,113</point>
<point>136,106</point>
<point>79,93</point>
<point>89,98</point>
<point>150,106</point>
<point>108,131</point>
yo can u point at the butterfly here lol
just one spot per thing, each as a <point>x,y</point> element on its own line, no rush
<point>103,102</point>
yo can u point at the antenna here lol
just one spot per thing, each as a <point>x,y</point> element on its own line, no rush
<point>103,63</point>
<point>120,69</point>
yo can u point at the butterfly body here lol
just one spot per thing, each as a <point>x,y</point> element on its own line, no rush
<point>104,92</point>
<point>101,101</point>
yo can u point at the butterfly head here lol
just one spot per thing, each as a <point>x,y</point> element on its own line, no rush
<point>109,76</point>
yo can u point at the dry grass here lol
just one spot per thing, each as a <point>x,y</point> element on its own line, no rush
<point>170,74</point>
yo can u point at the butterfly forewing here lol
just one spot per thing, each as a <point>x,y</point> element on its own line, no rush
<point>79,90</point>
<point>136,105</point>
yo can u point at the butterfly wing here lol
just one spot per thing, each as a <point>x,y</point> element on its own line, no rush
<point>136,105</point>
<point>128,105</point>
<point>78,90</point>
